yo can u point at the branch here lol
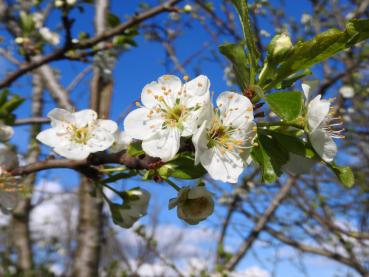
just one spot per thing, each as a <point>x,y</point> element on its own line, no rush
<point>60,53</point>
<point>260,225</point>
<point>86,166</point>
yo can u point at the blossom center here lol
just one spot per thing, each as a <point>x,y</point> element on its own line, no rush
<point>80,135</point>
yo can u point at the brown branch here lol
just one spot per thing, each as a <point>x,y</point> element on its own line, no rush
<point>31,120</point>
<point>86,166</point>
<point>60,53</point>
<point>260,225</point>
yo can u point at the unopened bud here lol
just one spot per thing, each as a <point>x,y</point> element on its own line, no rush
<point>187,8</point>
<point>279,47</point>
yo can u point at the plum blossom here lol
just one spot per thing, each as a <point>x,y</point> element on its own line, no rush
<point>121,142</point>
<point>194,204</point>
<point>49,36</point>
<point>170,110</point>
<point>321,125</point>
<point>76,135</point>
<point>136,202</point>
<point>6,132</point>
<point>222,143</point>
<point>347,91</point>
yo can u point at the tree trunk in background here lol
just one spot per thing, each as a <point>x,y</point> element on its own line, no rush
<point>91,223</point>
<point>20,218</point>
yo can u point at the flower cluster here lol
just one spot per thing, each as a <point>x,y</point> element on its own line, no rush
<point>175,117</point>
<point>171,110</point>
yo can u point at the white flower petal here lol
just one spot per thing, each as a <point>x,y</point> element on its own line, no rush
<point>323,144</point>
<point>317,111</point>
<point>50,137</point>
<point>6,132</point>
<point>109,125</point>
<point>194,119</point>
<point>198,86</point>
<point>138,125</point>
<point>60,117</point>
<point>148,94</point>
<point>73,151</point>
<point>225,167</point>
<point>164,144</point>
<point>235,109</point>
<point>84,117</point>
<point>307,91</point>
<point>200,141</point>
<point>172,84</point>
<point>122,141</point>
<point>100,141</point>
<point>347,91</point>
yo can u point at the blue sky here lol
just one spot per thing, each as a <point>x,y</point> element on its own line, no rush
<point>134,69</point>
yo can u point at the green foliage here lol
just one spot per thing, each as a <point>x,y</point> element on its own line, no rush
<point>286,105</point>
<point>112,20</point>
<point>26,23</point>
<point>253,54</point>
<point>306,54</point>
<point>236,54</point>
<point>344,174</point>
<point>135,149</point>
<point>271,156</point>
<point>182,167</point>
<point>8,106</point>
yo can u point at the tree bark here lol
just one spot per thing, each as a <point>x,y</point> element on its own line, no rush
<point>20,218</point>
<point>91,223</point>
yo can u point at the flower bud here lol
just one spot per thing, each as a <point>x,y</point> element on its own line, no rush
<point>279,47</point>
<point>136,202</point>
<point>19,40</point>
<point>6,132</point>
<point>187,8</point>
<point>193,204</point>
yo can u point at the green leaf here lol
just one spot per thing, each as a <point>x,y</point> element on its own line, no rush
<point>253,54</point>
<point>182,167</point>
<point>271,156</point>
<point>305,54</point>
<point>292,79</point>
<point>112,20</point>
<point>12,104</point>
<point>236,54</point>
<point>344,174</point>
<point>135,149</point>
<point>119,176</point>
<point>26,22</point>
<point>3,96</point>
<point>286,105</point>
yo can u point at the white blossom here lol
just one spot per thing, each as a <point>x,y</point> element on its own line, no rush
<point>38,19</point>
<point>264,33</point>
<point>347,91</point>
<point>6,132</point>
<point>305,18</point>
<point>222,144</point>
<point>170,111</point>
<point>51,37</point>
<point>194,204</point>
<point>121,142</point>
<point>322,127</point>
<point>76,135</point>
<point>135,206</point>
